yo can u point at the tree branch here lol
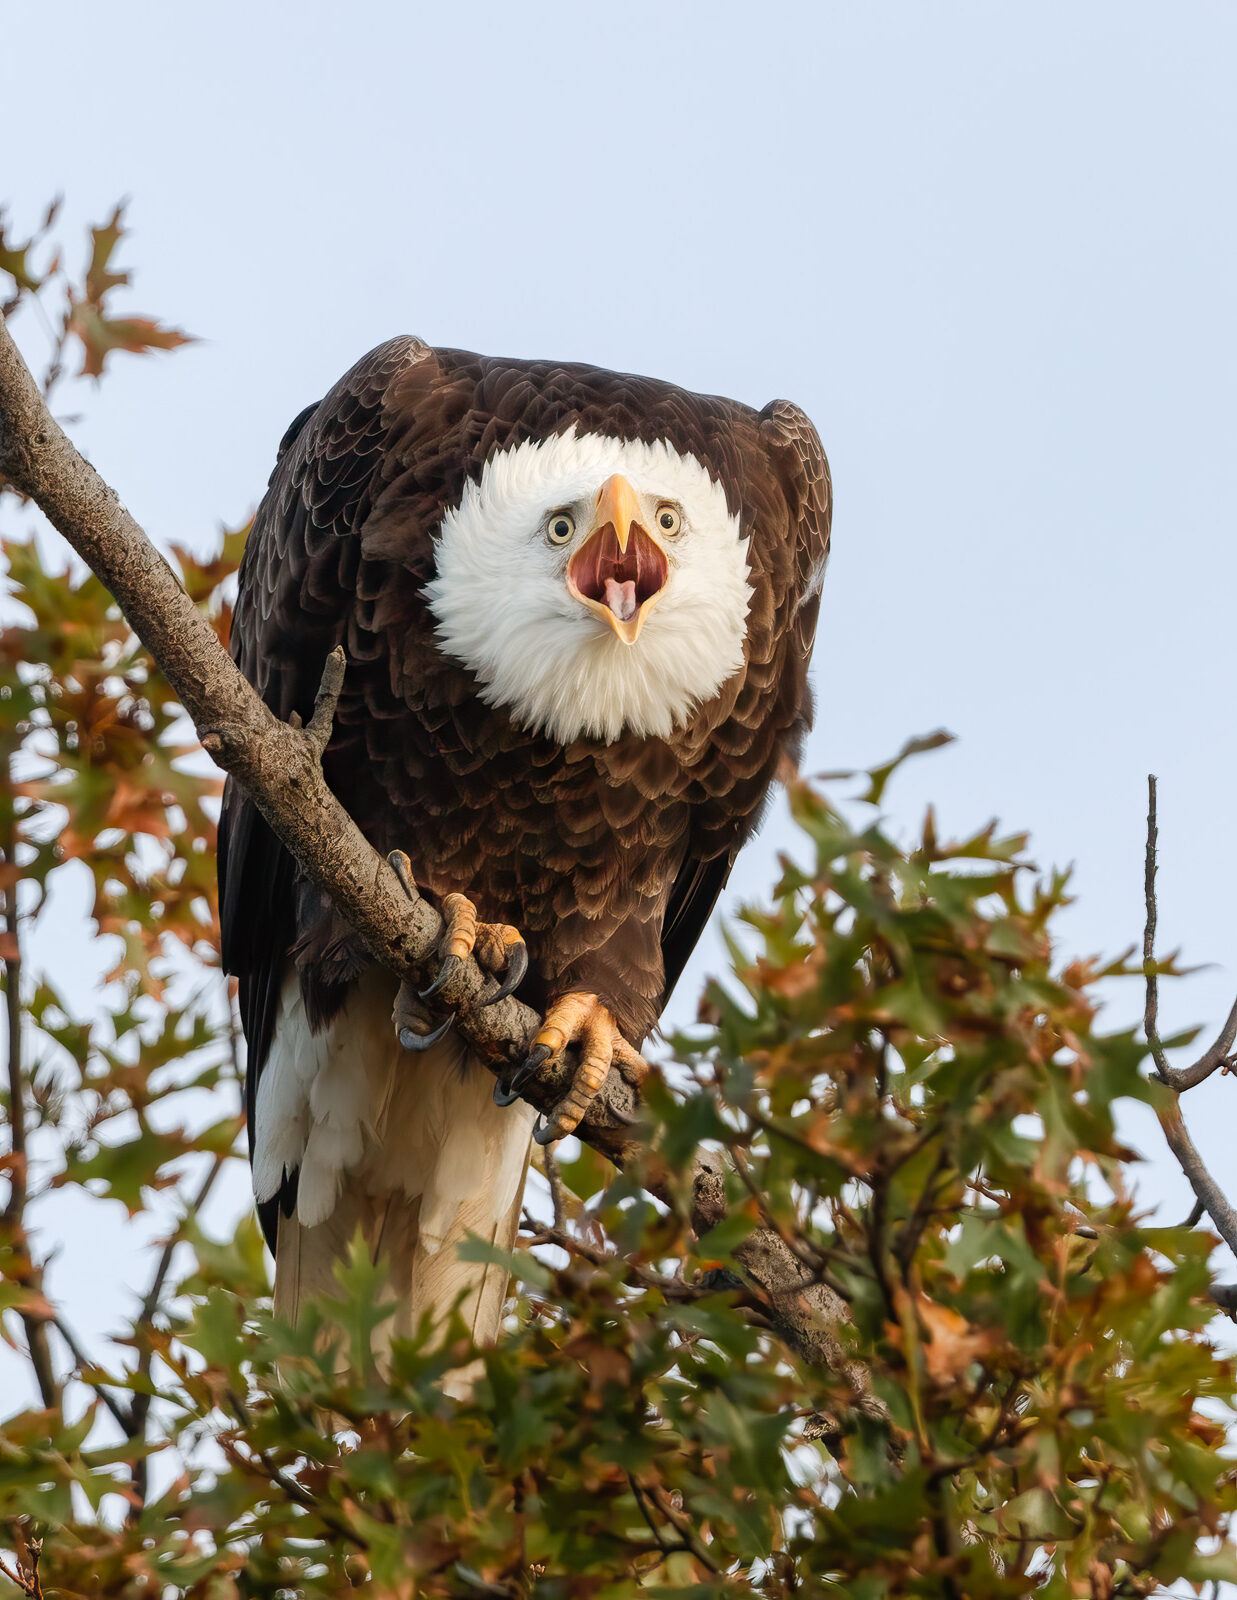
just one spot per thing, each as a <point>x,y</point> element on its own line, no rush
<point>140,1410</point>
<point>121,1414</point>
<point>1203,1184</point>
<point>1208,1192</point>
<point>15,1205</point>
<point>25,1571</point>
<point>14,1217</point>
<point>280,768</point>
<point>1218,1054</point>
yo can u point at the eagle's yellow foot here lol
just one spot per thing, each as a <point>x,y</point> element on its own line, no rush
<point>582,1020</point>
<point>497,947</point>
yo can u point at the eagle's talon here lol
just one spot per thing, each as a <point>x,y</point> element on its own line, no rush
<point>503,1095</point>
<point>517,967</point>
<point>536,1057</point>
<point>423,1041</point>
<point>451,964</point>
<point>498,949</point>
<point>402,868</point>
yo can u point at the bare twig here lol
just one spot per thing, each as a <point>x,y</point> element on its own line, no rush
<point>140,1411</point>
<point>24,1573</point>
<point>131,1419</point>
<point>18,1177</point>
<point>120,1412</point>
<point>1219,1053</point>
<point>1208,1192</point>
<point>150,1303</point>
<point>295,1492</point>
<point>1152,1006</point>
<point>638,1493</point>
<point>326,701</point>
<point>1204,1185</point>
<point>683,1528</point>
<point>673,1289</point>
<point>555,1180</point>
<point>14,1218</point>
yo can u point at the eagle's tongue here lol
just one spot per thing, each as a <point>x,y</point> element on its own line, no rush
<point>621,598</point>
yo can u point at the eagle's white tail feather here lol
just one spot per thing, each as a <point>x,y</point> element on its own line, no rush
<point>410,1149</point>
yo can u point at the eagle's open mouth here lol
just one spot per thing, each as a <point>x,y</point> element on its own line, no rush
<point>619,583</point>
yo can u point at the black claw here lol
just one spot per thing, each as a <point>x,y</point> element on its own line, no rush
<point>422,1041</point>
<point>544,1133</point>
<point>503,1096</point>
<point>536,1057</point>
<point>402,868</point>
<point>450,966</point>
<point>517,966</point>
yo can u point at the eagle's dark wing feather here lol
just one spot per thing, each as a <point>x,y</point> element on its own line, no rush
<point>794,448</point>
<point>692,899</point>
<point>790,542</point>
<point>326,475</point>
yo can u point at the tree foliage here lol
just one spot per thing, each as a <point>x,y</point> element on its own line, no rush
<point>912,1087</point>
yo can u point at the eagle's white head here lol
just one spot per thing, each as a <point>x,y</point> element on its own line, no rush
<point>594,586</point>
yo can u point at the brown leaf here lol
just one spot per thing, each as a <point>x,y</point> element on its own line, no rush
<point>793,981</point>
<point>88,319</point>
<point>952,1342</point>
<point>101,335</point>
<point>14,259</point>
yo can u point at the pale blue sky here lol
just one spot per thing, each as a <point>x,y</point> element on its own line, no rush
<point>988,247</point>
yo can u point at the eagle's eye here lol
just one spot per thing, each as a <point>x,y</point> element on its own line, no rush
<point>560,527</point>
<point>668,519</point>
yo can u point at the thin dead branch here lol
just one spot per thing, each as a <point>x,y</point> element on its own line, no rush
<point>24,1573</point>
<point>121,1413</point>
<point>555,1181</point>
<point>1207,1191</point>
<point>1219,1052</point>
<point>140,1410</point>
<point>34,1323</point>
<point>1203,1184</point>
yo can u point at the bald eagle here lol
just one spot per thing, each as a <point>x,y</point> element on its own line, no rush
<point>578,608</point>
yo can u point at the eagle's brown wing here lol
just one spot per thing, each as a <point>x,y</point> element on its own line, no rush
<point>790,543</point>
<point>328,473</point>
<point>802,471</point>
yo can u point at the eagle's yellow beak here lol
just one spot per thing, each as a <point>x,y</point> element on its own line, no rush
<point>620,570</point>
